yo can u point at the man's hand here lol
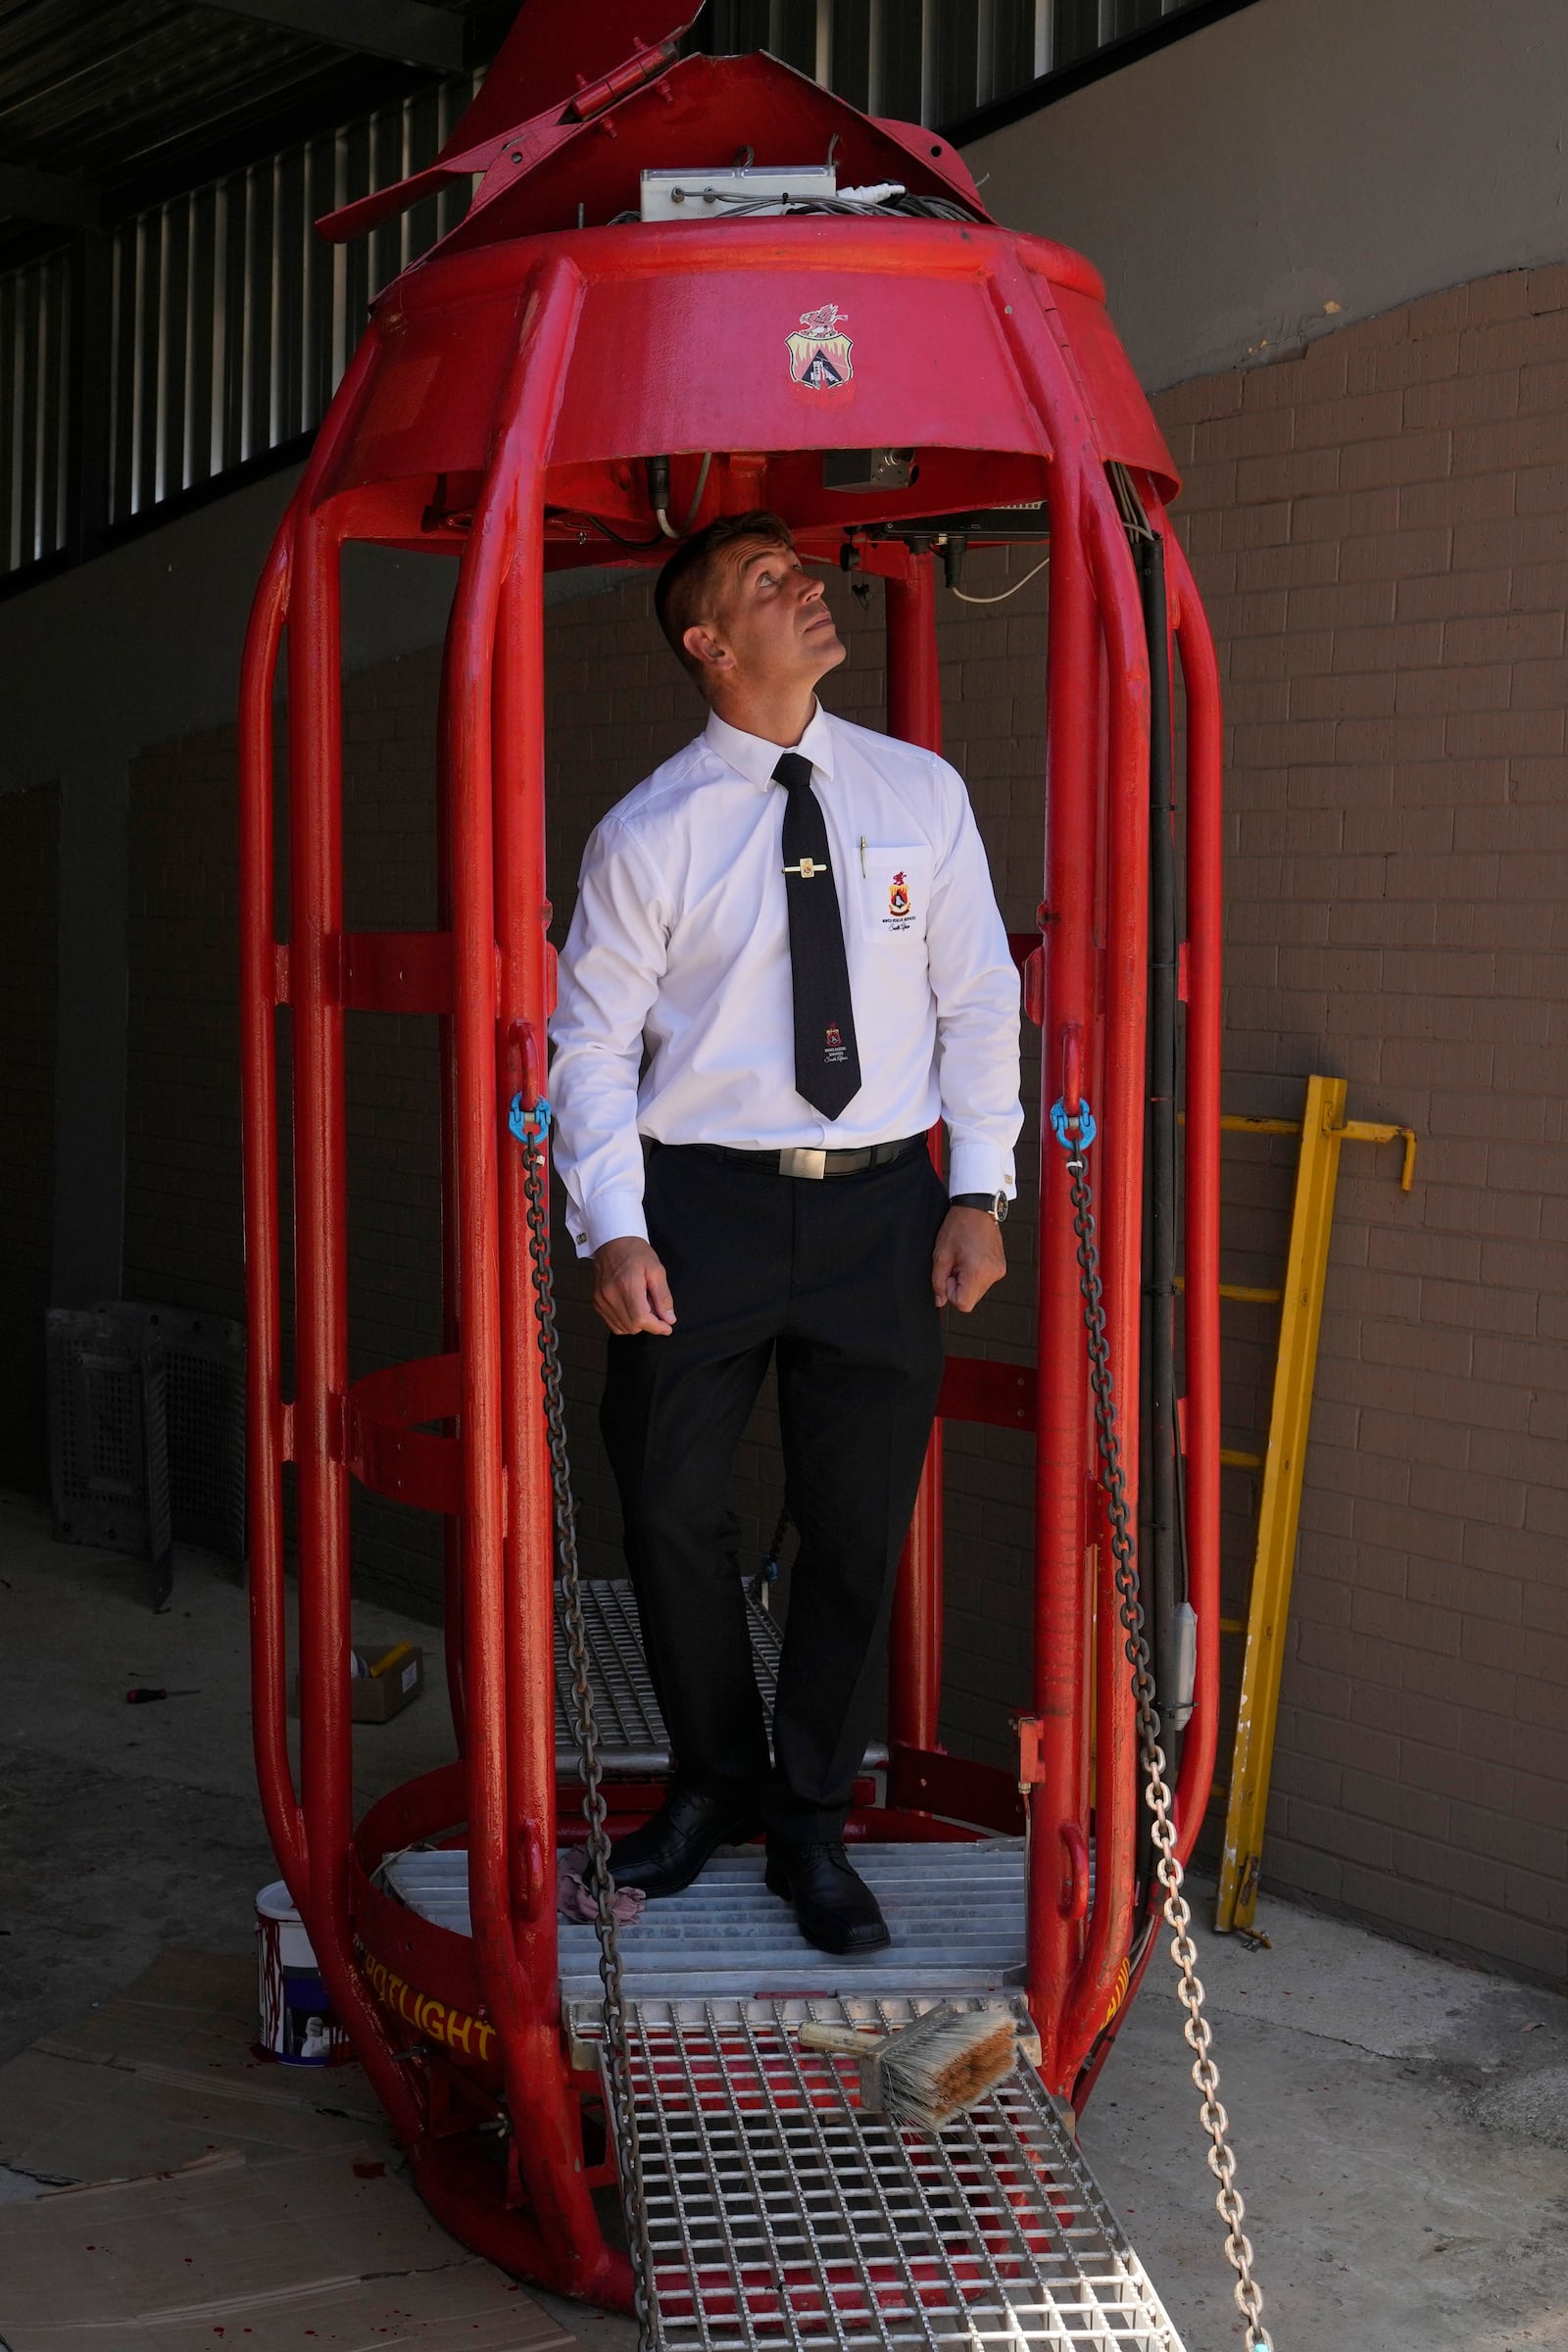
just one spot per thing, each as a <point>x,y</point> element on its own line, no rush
<point>630,1290</point>
<point>967,1259</point>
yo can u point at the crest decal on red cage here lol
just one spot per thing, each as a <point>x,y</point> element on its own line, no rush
<point>819,350</point>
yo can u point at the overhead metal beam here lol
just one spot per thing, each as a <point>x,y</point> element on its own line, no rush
<point>409,31</point>
<point>30,195</point>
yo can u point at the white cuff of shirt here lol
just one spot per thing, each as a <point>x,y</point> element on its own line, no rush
<point>613,1216</point>
<point>979,1168</point>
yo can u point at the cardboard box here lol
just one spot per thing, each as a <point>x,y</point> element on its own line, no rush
<point>376,1697</point>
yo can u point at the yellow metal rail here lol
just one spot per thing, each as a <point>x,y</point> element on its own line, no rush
<point>1323,1128</point>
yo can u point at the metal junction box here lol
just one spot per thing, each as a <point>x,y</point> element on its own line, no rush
<point>701,195</point>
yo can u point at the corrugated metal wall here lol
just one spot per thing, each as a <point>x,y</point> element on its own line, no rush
<point>34,399</point>
<point>927,61</point>
<point>232,321</point>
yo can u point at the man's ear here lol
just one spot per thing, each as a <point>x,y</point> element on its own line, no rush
<point>708,651</point>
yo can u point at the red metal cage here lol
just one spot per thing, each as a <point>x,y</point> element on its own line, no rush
<point>500,411</point>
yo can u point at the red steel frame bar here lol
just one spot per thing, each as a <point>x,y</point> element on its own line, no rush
<point>1200,1247</point>
<point>511,1757</point>
<point>1058,1804</point>
<point>310,1833</point>
<point>1097,836</point>
<point>493,883</point>
<point>914,1662</point>
<point>452,1616</point>
<point>467,712</point>
<point>1118,1196</point>
<point>558,2238</point>
<point>553,2164</point>
<point>316,861</point>
<point>265,1448</point>
<point>1201,1222</point>
<point>520,919</point>
<point>1058,1801</point>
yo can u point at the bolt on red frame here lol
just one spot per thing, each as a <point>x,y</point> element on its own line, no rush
<point>490,415</point>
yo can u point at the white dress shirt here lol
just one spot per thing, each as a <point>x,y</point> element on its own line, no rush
<point>675,1017</point>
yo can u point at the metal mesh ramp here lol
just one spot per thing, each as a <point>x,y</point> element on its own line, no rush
<point>956,1915</point>
<point>783,2219</point>
<point>781,2215</point>
<point>632,1736</point>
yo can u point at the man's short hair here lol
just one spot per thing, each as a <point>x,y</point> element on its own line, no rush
<point>683,591</point>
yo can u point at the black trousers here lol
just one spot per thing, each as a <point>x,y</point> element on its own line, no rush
<point>833,1277</point>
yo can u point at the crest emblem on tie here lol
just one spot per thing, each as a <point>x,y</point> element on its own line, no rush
<point>833,1044</point>
<point>898,895</point>
<point>819,350</point>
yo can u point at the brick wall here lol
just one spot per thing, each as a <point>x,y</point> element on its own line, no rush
<point>1380,528</point>
<point>29,983</point>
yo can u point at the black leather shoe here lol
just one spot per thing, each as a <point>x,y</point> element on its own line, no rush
<point>666,1853</point>
<point>834,1907</point>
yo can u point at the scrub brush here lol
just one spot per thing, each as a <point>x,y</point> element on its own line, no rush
<point>925,2074</point>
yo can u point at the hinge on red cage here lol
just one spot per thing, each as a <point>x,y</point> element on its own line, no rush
<point>285,1431</point>
<point>1181,1427</point>
<point>1182,997</point>
<point>1031,1764</point>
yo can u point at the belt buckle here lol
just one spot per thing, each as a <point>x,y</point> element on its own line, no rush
<point>802,1160</point>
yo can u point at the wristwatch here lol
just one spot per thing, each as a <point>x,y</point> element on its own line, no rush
<point>994,1204</point>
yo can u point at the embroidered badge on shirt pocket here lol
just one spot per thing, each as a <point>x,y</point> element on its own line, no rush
<point>895,887</point>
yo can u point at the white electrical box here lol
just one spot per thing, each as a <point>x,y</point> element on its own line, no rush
<point>710,195</point>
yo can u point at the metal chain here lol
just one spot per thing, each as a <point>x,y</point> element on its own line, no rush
<point>619,2094</point>
<point>770,1556</point>
<point>1169,1869</point>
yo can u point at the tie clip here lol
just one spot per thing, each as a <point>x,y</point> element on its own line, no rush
<point>807,869</point>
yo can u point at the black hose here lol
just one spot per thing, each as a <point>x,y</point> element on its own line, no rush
<point>1163,1571</point>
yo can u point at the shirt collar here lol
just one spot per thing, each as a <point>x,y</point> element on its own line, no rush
<point>755,760</point>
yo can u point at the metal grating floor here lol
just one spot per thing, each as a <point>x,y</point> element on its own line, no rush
<point>957,1914</point>
<point>632,1736</point>
<point>783,2216</point>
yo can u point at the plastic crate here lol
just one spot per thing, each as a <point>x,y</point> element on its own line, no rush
<point>203,1358</point>
<point>109,1433</point>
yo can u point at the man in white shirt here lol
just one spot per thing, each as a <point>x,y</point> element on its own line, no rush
<point>786,962</point>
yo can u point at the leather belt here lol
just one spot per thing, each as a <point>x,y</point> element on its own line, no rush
<point>810,1160</point>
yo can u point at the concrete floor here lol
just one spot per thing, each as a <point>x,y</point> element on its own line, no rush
<point>1402,2123</point>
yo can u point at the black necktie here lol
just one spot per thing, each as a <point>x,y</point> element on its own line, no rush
<point>827,1061</point>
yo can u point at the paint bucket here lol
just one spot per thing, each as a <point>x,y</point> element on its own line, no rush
<point>298,2026</point>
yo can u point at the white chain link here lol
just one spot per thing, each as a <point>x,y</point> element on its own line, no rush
<point>1168,1870</point>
